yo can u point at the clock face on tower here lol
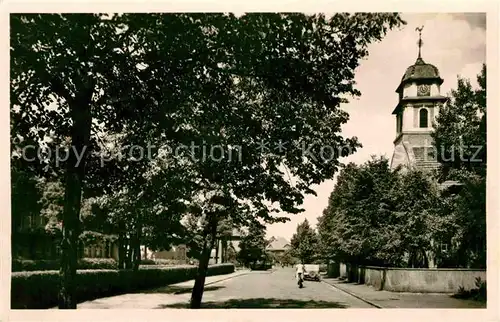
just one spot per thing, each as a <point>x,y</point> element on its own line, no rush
<point>423,90</point>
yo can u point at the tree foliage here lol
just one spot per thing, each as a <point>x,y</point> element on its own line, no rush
<point>304,243</point>
<point>352,225</point>
<point>288,258</point>
<point>252,247</point>
<point>25,195</point>
<point>78,80</point>
<point>460,132</point>
<point>460,139</point>
<point>379,217</point>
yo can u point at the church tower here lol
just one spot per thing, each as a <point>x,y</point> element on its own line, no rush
<point>419,102</point>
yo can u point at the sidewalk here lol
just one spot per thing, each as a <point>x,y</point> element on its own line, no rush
<point>150,299</point>
<point>386,299</point>
<point>213,279</point>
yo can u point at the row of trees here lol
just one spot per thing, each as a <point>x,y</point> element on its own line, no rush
<point>94,85</point>
<point>376,216</point>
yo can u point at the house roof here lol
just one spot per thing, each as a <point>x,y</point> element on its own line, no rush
<point>278,243</point>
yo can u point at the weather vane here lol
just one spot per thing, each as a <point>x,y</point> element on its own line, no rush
<point>420,42</point>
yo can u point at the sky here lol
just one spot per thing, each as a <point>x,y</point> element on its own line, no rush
<point>454,43</point>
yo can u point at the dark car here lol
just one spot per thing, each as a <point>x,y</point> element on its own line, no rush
<point>260,266</point>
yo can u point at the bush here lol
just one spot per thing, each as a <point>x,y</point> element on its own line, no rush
<point>97,263</point>
<point>477,294</point>
<point>165,262</point>
<point>39,289</point>
<point>22,265</point>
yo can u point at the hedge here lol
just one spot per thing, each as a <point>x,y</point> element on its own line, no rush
<point>22,265</point>
<point>165,262</point>
<point>39,289</point>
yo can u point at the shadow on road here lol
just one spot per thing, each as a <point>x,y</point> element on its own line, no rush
<point>172,289</point>
<point>260,303</point>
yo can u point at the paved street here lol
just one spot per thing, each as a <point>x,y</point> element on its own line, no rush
<point>250,290</point>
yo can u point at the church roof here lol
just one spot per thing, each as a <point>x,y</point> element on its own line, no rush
<point>278,243</point>
<point>420,71</point>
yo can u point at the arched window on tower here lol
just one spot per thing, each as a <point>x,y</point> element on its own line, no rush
<point>424,118</point>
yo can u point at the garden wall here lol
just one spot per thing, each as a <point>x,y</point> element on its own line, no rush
<point>419,280</point>
<point>343,270</point>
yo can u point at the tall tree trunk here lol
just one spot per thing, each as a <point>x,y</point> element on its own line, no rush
<point>31,248</point>
<point>108,249</point>
<point>199,284</point>
<point>137,244</point>
<point>121,250</point>
<point>224,251</point>
<point>425,259</point>
<point>80,250</point>
<point>411,259</point>
<point>75,173</point>
<point>216,243</point>
<point>129,253</point>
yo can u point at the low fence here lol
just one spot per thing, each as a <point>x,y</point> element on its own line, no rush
<point>415,280</point>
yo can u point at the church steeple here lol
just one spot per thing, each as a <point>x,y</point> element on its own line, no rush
<point>419,73</point>
<point>419,102</point>
<point>420,42</point>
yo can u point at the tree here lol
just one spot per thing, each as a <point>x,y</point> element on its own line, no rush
<point>74,79</point>
<point>460,131</point>
<point>376,216</point>
<point>287,258</point>
<point>282,85</point>
<point>253,245</point>
<point>304,243</point>
<point>224,232</point>
<point>414,218</point>
<point>25,196</point>
<point>357,225</point>
<point>460,142</point>
<point>65,60</point>
<point>231,254</point>
<point>209,79</point>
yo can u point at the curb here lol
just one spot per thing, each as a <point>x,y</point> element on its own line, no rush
<point>226,278</point>
<point>354,295</point>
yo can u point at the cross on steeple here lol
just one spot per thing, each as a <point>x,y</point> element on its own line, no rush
<point>420,42</point>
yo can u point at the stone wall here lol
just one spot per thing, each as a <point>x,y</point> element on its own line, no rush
<point>420,280</point>
<point>343,270</point>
